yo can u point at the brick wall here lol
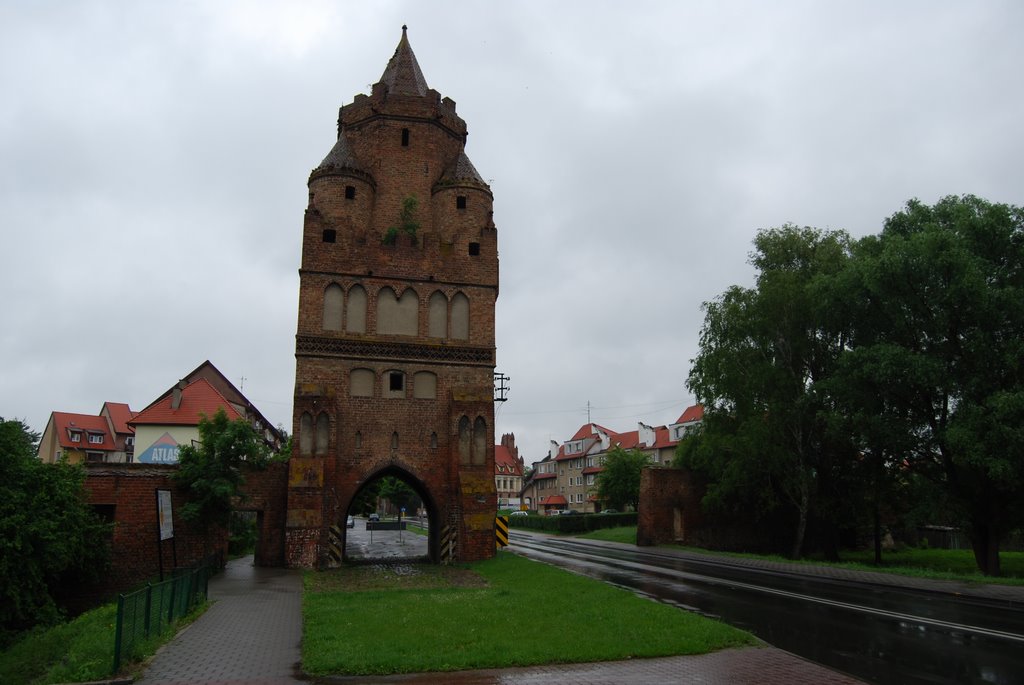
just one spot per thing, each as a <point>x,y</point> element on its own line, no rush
<point>136,554</point>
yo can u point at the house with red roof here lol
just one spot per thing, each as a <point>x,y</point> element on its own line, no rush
<point>508,472</point>
<point>80,438</point>
<point>173,420</point>
<point>567,477</point>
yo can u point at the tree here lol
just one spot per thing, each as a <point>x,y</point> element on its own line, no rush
<point>211,472</point>
<point>939,349</point>
<point>618,484</point>
<point>769,437</point>
<point>50,538</point>
<point>397,492</point>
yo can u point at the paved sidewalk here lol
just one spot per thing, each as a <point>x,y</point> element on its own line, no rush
<point>250,634</point>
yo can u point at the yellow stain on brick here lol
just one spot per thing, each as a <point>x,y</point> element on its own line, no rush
<point>483,521</point>
<point>304,518</point>
<point>305,473</point>
<point>474,484</point>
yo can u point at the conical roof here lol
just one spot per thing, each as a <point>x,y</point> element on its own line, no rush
<point>462,170</point>
<point>402,76</point>
<point>340,157</point>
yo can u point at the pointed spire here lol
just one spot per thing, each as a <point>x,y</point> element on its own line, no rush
<point>402,76</point>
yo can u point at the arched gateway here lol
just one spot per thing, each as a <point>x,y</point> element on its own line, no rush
<point>395,346</point>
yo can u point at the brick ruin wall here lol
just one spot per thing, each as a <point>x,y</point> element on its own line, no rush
<point>128,491</point>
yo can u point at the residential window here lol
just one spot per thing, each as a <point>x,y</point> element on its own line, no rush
<point>95,438</point>
<point>76,436</point>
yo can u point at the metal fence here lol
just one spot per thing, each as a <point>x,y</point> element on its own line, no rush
<point>148,612</point>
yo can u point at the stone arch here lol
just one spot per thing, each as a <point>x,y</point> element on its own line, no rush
<point>356,310</point>
<point>460,317</point>
<point>428,500</point>
<point>437,315</point>
<point>479,441</point>
<point>305,434</point>
<point>397,315</point>
<point>334,302</point>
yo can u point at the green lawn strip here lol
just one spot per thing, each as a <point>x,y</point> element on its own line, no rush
<point>625,534</point>
<point>437,625</point>
<point>78,651</point>
<point>937,564</point>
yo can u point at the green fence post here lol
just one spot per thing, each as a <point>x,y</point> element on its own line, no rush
<point>118,630</point>
<point>149,607</point>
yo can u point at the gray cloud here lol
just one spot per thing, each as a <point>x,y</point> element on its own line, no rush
<point>153,160</point>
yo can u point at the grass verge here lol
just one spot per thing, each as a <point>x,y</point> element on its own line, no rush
<point>626,534</point>
<point>938,564</point>
<point>78,651</point>
<point>363,620</point>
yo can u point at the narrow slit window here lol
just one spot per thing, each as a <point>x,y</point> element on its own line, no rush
<point>474,249</point>
<point>396,381</point>
<point>330,235</point>
<point>350,192</point>
<point>405,137</point>
<point>460,202</point>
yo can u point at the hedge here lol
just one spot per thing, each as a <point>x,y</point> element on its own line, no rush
<point>579,523</point>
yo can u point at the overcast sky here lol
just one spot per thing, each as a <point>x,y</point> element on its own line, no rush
<point>154,156</point>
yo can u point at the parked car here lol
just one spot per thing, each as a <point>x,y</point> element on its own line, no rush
<point>374,517</point>
<point>519,513</point>
<point>351,522</point>
<point>569,512</point>
<point>610,511</point>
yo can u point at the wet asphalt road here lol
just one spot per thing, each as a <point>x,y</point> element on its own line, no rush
<point>362,544</point>
<point>886,635</point>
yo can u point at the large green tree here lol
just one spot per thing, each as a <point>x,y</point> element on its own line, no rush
<point>938,360</point>
<point>50,538</point>
<point>769,437</point>
<point>211,472</point>
<point>618,483</point>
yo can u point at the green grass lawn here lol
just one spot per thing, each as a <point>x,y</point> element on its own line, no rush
<point>361,620</point>
<point>626,534</point>
<point>941,564</point>
<point>77,651</point>
<point>80,650</point>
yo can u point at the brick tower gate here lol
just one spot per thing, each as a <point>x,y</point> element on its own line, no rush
<point>395,349</point>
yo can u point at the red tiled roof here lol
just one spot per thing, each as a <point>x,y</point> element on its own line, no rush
<point>628,440</point>
<point>543,476</point>
<point>553,499</point>
<point>120,415</point>
<point>197,399</point>
<point>65,423</point>
<point>662,438</point>
<point>592,469</point>
<point>694,413</point>
<point>589,429</point>
<point>502,457</point>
